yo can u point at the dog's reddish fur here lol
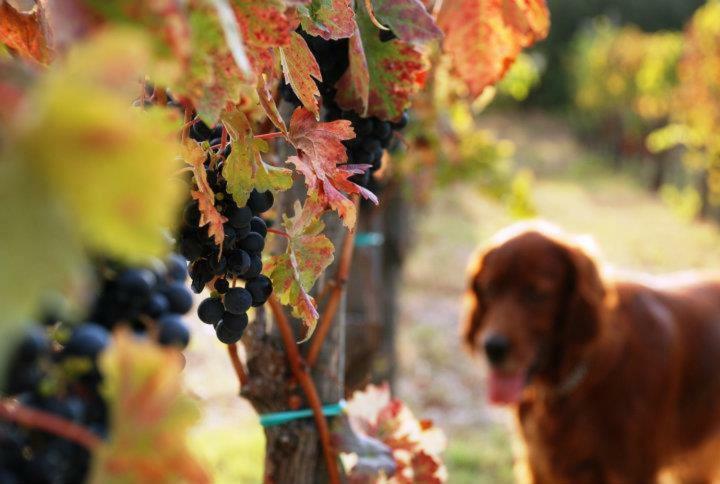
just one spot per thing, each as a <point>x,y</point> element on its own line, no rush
<point>649,400</point>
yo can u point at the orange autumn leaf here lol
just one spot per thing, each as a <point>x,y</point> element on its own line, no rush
<point>24,32</point>
<point>194,156</point>
<point>483,37</point>
<point>300,67</point>
<point>322,159</point>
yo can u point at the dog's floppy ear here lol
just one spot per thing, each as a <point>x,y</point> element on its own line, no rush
<point>474,309</point>
<point>587,294</point>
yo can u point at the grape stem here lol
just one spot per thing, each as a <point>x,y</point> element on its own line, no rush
<point>11,410</point>
<point>300,370</point>
<point>266,136</point>
<point>330,310</point>
<point>186,126</point>
<point>237,364</point>
<point>279,232</point>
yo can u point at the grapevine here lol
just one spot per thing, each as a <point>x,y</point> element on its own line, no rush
<point>270,122</point>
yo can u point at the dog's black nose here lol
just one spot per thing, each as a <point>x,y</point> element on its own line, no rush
<point>496,348</point>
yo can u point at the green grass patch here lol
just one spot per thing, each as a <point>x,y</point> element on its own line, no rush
<point>483,457</point>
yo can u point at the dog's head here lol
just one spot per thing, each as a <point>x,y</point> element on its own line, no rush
<point>534,301</point>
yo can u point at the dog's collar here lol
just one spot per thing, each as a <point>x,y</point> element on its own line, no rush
<point>572,381</point>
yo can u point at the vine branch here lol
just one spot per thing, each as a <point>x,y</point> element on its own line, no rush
<point>13,411</point>
<point>300,371</point>
<point>237,364</point>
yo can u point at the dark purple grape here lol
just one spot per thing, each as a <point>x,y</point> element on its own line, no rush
<point>259,226</point>
<point>254,242</point>
<point>173,332</point>
<point>260,289</point>
<point>260,202</point>
<point>211,310</point>
<point>222,285</point>
<point>237,300</point>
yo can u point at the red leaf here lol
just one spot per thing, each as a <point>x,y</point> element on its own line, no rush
<point>408,19</point>
<point>320,152</point>
<point>299,67</point>
<point>194,156</point>
<point>416,445</point>
<point>264,25</point>
<point>330,19</point>
<point>483,37</point>
<point>395,69</point>
<point>24,32</point>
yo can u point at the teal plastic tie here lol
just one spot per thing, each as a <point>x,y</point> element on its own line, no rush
<point>279,418</point>
<point>369,239</point>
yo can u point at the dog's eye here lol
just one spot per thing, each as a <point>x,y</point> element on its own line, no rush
<point>534,295</point>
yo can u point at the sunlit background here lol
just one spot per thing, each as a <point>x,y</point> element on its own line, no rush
<point>606,128</point>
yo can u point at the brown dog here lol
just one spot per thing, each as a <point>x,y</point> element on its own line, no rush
<point>612,381</point>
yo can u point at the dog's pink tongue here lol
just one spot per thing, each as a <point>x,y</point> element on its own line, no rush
<point>505,389</point>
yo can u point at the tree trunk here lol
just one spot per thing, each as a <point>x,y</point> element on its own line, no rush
<point>293,452</point>
<point>372,291</point>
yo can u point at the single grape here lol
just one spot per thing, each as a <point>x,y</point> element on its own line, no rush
<point>255,268</point>
<point>237,300</point>
<point>235,322</point>
<point>260,289</point>
<point>239,262</point>
<point>259,226</point>
<point>254,242</point>
<point>227,335</point>
<point>87,339</point>
<point>135,284</point>
<point>260,202</point>
<point>157,305</point>
<point>172,331</point>
<point>222,285</point>
<point>176,268</point>
<point>240,217</point>
<point>179,298</point>
<point>211,310</point>
<point>191,248</point>
<point>217,265</point>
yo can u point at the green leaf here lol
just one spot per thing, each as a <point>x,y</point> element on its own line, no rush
<point>408,19</point>
<point>213,80</point>
<point>41,252</point>
<point>109,165</point>
<point>395,68</point>
<point>330,19</point>
<point>244,169</point>
<point>150,416</point>
<point>294,273</point>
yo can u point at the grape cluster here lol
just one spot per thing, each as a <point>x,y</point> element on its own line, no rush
<point>153,297</point>
<point>372,135</point>
<point>240,256</point>
<point>58,376</point>
<point>55,366</point>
